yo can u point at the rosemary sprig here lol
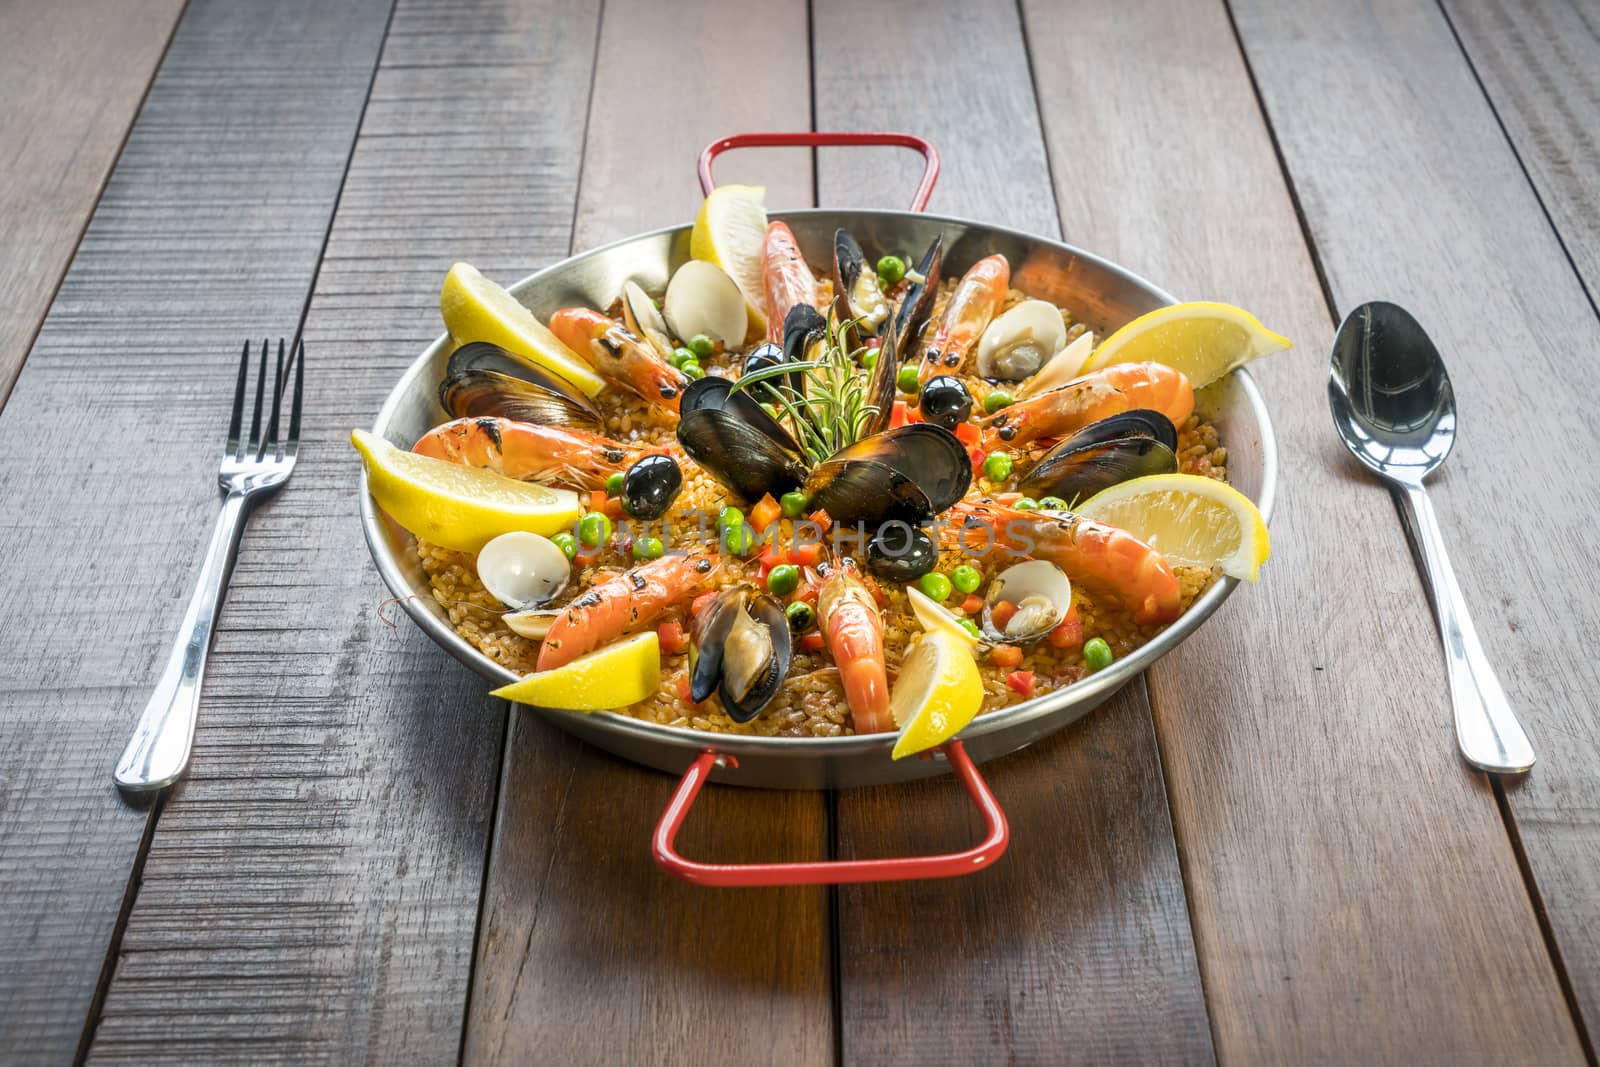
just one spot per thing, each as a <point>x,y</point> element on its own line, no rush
<point>832,410</point>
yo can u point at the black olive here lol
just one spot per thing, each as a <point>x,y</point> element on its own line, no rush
<point>900,552</point>
<point>650,486</point>
<point>946,401</point>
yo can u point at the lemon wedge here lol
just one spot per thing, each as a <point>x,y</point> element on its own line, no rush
<point>457,506</point>
<point>730,231</point>
<point>935,616</point>
<point>937,693</point>
<point>1204,340</point>
<point>1188,519</point>
<point>611,677</point>
<point>476,309</point>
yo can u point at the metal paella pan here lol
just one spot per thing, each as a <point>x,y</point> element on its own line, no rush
<point>1097,292</point>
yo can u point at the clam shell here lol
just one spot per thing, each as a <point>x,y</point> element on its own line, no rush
<point>1017,344</point>
<point>702,299</point>
<point>1043,594</point>
<point>523,570</point>
<point>1064,366</point>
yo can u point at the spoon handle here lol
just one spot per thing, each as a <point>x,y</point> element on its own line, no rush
<point>1488,732</point>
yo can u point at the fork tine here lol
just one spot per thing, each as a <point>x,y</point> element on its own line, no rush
<point>293,443</point>
<point>261,387</point>
<point>237,417</point>
<point>271,443</point>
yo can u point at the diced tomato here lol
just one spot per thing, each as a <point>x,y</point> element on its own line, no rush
<point>1070,633</point>
<point>977,455</point>
<point>1001,614</point>
<point>673,639</point>
<point>765,513</point>
<point>1005,656</point>
<point>683,687</point>
<point>771,556</point>
<point>968,434</point>
<point>1021,681</point>
<point>822,519</point>
<point>806,555</point>
<point>972,605</point>
<point>901,414</point>
<point>701,602</point>
<point>811,642</point>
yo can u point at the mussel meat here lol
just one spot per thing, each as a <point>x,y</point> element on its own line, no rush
<point>1038,595</point>
<point>702,299</point>
<point>910,473</point>
<point>483,379</point>
<point>945,401</point>
<point>650,486</point>
<point>729,434</point>
<point>1021,341</point>
<point>900,552</point>
<point>1115,449</point>
<point>857,295</point>
<point>740,648</point>
<point>642,316</point>
<point>523,570</point>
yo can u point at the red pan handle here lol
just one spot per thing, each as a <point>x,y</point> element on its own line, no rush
<point>930,156</point>
<point>835,872</point>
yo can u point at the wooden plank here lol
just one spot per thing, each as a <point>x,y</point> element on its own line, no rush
<point>72,76</point>
<point>579,925</point>
<point>1077,945</point>
<point>209,228</point>
<point>1483,271</point>
<point>334,831</point>
<point>1539,62</point>
<point>1353,893</point>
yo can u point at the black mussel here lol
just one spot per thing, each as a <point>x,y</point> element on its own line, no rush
<point>483,379</point>
<point>1102,454</point>
<point>917,303</point>
<point>857,294</point>
<point>739,648</point>
<point>881,383</point>
<point>910,473</point>
<point>1140,422</point>
<point>729,434</point>
<point>900,552</point>
<point>803,326</point>
<point>650,486</point>
<point>945,401</point>
<point>764,357</point>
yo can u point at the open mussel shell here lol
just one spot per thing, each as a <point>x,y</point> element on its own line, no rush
<point>910,473</point>
<point>857,295</point>
<point>917,303</point>
<point>1040,595</point>
<point>1117,449</point>
<point>803,327</point>
<point>483,379</point>
<point>736,441</point>
<point>739,648</point>
<point>523,570</point>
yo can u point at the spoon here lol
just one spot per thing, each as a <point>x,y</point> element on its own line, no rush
<point>1395,411</point>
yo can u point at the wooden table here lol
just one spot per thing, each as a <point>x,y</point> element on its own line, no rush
<point>1266,852</point>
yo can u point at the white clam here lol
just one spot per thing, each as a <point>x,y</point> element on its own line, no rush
<point>644,318</point>
<point>1042,594</point>
<point>523,570</point>
<point>701,298</point>
<point>1064,366</point>
<point>1021,341</point>
<point>533,624</point>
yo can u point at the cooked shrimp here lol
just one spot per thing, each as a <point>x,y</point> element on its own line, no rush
<point>621,605</point>
<point>978,298</point>
<point>549,455</point>
<point>853,627</point>
<point>787,278</point>
<point>1089,398</point>
<point>619,355</point>
<point>1102,557</point>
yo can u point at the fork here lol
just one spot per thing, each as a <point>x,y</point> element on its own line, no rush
<point>252,467</point>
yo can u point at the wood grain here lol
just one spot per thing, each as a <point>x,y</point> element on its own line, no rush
<point>110,444</point>
<point>579,925</point>
<point>1484,273</point>
<point>72,75</point>
<point>1539,62</point>
<point>1354,895</point>
<point>1076,946</point>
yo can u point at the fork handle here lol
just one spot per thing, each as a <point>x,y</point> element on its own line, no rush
<point>159,748</point>
<point>1487,730</point>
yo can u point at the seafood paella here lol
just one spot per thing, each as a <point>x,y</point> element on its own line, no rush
<point>808,499</point>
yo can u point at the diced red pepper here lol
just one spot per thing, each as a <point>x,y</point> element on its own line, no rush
<point>772,556</point>
<point>683,688</point>
<point>1005,656</point>
<point>822,519</point>
<point>977,455</point>
<point>811,642</point>
<point>597,500</point>
<point>672,637</point>
<point>765,513</point>
<point>1001,614</point>
<point>701,602</point>
<point>806,555</point>
<point>1070,633</point>
<point>972,605</point>
<point>901,414</point>
<point>1021,681</point>
<point>968,434</point>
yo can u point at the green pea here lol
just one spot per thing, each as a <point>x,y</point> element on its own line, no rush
<point>907,379</point>
<point>794,504</point>
<point>1052,503</point>
<point>566,543</point>
<point>594,530</point>
<point>701,345</point>
<point>802,616</point>
<point>729,516</point>
<point>934,585</point>
<point>972,628</point>
<point>649,548</point>
<point>783,579</point>
<point>692,369</point>
<point>997,467</point>
<point>680,356</point>
<point>965,578</point>
<point>891,269</point>
<point>870,358</point>
<point>1097,654</point>
<point>738,540</point>
<point>996,400</point>
<point>1026,504</point>
<point>614,484</point>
